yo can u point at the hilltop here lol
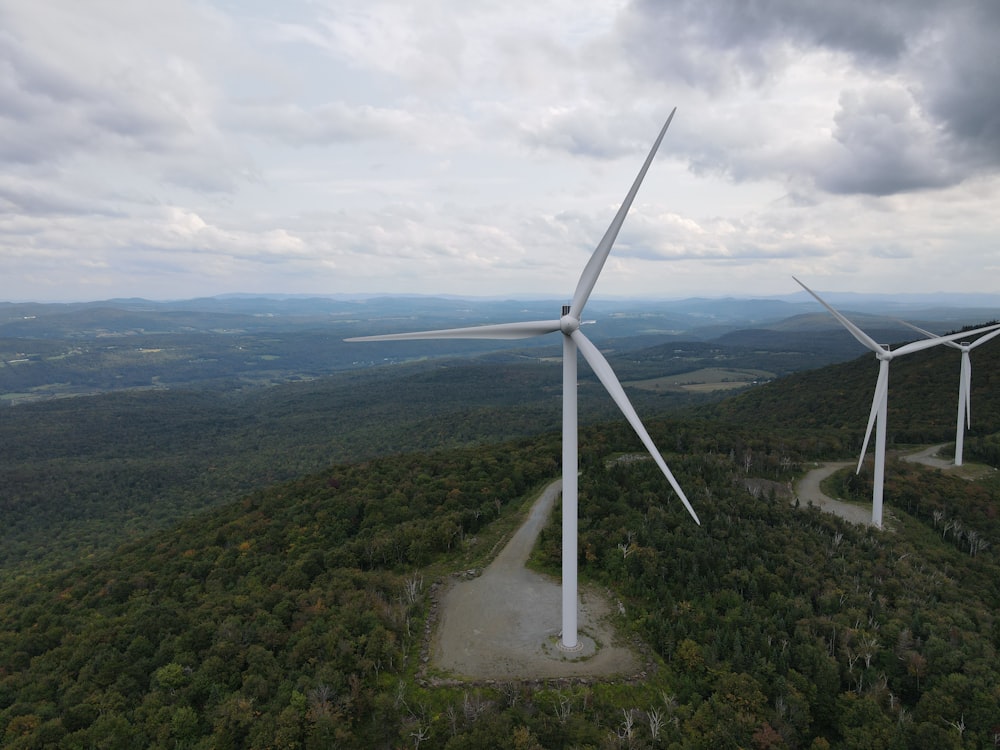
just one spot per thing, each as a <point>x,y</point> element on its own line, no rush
<point>923,397</point>
<point>285,546</point>
<point>299,614</point>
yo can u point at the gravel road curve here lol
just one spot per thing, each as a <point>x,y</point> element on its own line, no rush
<point>808,491</point>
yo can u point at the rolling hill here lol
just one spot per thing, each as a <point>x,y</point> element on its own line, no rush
<point>190,568</point>
<point>298,616</point>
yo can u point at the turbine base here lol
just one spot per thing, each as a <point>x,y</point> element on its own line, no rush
<point>570,649</point>
<point>585,648</point>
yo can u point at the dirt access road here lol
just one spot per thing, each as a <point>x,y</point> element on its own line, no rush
<point>808,490</point>
<point>505,624</point>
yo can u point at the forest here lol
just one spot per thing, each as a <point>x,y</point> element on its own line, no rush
<point>283,598</point>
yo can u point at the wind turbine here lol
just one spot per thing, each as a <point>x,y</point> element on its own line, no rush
<point>964,384</point>
<point>573,340</point>
<point>880,400</point>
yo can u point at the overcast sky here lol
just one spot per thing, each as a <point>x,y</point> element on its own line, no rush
<point>171,149</point>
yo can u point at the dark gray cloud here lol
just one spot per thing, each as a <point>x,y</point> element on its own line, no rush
<point>688,34</point>
<point>883,147</point>
<point>940,55</point>
<point>960,80</point>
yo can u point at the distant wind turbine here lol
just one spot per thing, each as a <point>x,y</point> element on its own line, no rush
<point>880,400</point>
<point>573,340</point>
<point>964,384</point>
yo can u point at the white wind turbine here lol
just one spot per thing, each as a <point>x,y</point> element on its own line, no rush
<point>964,384</point>
<point>573,339</point>
<point>880,400</point>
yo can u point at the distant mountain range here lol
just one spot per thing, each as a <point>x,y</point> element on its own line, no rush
<point>698,317</point>
<point>232,342</point>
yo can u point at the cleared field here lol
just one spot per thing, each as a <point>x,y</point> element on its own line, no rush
<point>705,379</point>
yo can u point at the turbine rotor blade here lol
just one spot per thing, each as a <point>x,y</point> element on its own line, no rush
<point>916,346</point>
<point>918,329</point>
<point>608,378</point>
<point>984,339</point>
<point>951,342</point>
<point>930,335</point>
<point>881,389</point>
<point>966,387</point>
<point>593,269</point>
<point>524,330</point>
<point>860,335</point>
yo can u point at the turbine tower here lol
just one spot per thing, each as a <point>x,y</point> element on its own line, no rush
<point>573,340</point>
<point>964,385</point>
<point>880,400</point>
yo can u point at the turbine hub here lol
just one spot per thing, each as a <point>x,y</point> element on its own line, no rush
<point>568,324</point>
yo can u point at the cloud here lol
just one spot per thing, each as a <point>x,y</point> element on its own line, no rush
<point>346,145</point>
<point>959,73</point>
<point>730,42</point>
<point>577,131</point>
<point>918,91</point>
<point>77,83</point>
<point>329,123</point>
<point>884,147</point>
<point>19,196</point>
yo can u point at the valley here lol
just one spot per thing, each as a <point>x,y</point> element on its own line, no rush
<point>233,344</point>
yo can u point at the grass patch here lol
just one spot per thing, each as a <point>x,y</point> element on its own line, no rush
<point>704,380</point>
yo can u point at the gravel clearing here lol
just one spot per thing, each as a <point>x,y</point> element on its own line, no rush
<point>505,623</point>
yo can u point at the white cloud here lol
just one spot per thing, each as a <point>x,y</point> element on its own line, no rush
<point>170,149</point>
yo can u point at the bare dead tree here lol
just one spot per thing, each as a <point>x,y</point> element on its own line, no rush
<point>656,721</point>
<point>412,588</point>
<point>419,734</point>
<point>563,707</point>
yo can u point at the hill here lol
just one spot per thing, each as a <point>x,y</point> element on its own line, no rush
<point>923,397</point>
<point>85,474</point>
<point>296,617</point>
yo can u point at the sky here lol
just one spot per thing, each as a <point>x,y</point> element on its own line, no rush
<point>172,149</point>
